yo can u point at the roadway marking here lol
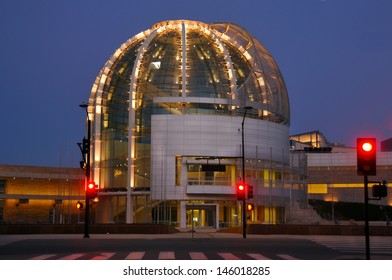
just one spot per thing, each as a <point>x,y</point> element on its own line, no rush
<point>135,256</point>
<point>163,255</point>
<point>258,257</point>
<point>166,255</point>
<point>103,256</point>
<point>286,257</point>
<point>43,257</point>
<point>72,257</point>
<point>228,256</point>
<point>354,244</point>
<point>198,256</point>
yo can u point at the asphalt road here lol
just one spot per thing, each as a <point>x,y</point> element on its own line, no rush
<point>182,246</point>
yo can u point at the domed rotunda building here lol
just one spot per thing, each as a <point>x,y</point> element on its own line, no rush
<point>170,112</point>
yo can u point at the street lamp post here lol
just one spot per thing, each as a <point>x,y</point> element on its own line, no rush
<point>246,108</point>
<point>87,213</point>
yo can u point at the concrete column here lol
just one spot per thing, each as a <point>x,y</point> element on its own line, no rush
<point>182,214</point>
<point>217,216</point>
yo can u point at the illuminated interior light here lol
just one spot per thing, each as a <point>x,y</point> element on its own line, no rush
<point>261,81</point>
<point>140,35</point>
<point>137,71</point>
<point>103,79</point>
<point>106,70</point>
<point>94,88</point>
<point>247,56</point>
<point>117,53</point>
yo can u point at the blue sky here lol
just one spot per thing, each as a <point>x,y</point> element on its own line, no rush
<point>335,56</point>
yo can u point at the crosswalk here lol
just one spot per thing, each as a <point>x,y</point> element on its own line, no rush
<point>356,244</point>
<point>162,255</point>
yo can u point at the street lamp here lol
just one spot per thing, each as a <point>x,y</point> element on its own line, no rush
<point>246,108</point>
<point>87,213</point>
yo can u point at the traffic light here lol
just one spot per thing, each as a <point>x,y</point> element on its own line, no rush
<point>85,146</point>
<point>366,156</point>
<point>250,192</point>
<point>79,205</point>
<point>82,165</point>
<point>241,191</point>
<point>249,206</point>
<point>380,190</point>
<point>92,190</point>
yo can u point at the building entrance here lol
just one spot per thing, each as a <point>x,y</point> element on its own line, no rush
<point>201,215</point>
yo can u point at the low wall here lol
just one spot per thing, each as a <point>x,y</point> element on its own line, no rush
<point>166,229</point>
<point>79,229</point>
<point>317,229</point>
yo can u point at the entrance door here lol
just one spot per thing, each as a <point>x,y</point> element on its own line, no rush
<point>202,216</point>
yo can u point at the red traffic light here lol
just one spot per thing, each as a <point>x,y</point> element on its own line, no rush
<point>91,186</point>
<point>367,147</point>
<point>92,190</point>
<point>241,191</point>
<point>366,156</point>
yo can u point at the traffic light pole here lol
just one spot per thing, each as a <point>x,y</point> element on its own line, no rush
<point>366,166</point>
<point>243,174</point>
<point>88,163</point>
<point>246,108</point>
<point>367,240</point>
<point>243,180</point>
<point>87,216</point>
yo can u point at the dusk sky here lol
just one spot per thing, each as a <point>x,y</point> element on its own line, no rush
<point>335,57</point>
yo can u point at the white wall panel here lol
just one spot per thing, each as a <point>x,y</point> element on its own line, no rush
<point>205,135</point>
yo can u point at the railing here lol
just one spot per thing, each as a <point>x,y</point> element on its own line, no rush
<point>215,182</point>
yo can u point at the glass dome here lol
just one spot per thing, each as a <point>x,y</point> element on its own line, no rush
<point>188,67</point>
<point>178,67</point>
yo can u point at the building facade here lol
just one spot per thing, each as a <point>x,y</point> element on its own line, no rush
<point>332,170</point>
<point>31,194</point>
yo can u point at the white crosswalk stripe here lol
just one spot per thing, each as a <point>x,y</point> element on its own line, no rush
<point>135,256</point>
<point>166,255</point>
<point>355,244</point>
<point>286,257</point>
<point>72,257</point>
<point>228,256</point>
<point>43,257</point>
<point>198,256</point>
<point>258,257</point>
<point>103,256</point>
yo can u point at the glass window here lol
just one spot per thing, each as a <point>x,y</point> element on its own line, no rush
<point>178,170</point>
<point>2,186</point>
<point>196,175</point>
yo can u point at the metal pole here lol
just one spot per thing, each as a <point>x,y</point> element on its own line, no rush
<point>193,225</point>
<point>88,167</point>
<point>367,241</point>
<point>243,179</point>
<point>246,108</point>
<point>87,218</point>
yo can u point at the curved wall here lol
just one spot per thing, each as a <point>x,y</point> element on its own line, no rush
<point>208,137</point>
